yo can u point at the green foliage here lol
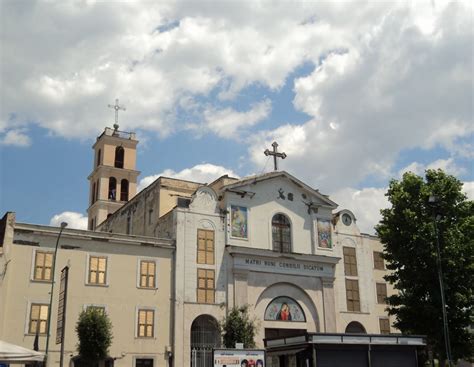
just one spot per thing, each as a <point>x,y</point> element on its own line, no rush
<point>407,230</point>
<point>238,327</point>
<point>94,331</point>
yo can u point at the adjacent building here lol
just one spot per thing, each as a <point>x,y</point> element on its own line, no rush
<point>129,277</point>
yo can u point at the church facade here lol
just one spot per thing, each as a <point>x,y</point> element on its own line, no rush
<point>268,242</point>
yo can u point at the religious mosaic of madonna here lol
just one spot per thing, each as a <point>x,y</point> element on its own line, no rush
<point>239,221</point>
<point>324,234</point>
<point>284,309</point>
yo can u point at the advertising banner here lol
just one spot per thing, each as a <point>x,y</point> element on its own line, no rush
<point>239,358</point>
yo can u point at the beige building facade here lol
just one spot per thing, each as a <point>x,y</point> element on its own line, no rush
<point>129,277</point>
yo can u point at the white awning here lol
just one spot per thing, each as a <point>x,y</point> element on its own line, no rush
<point>11,353</point>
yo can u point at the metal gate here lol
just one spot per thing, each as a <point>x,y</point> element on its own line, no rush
<point>205,336</point>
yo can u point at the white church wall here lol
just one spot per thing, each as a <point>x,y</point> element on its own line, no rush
<point>265,199</point>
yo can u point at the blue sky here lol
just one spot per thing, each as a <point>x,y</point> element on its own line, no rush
<point>355,93</point>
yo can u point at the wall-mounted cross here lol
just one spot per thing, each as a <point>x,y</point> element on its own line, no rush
<point>275,154</point>
<point>116,107</point>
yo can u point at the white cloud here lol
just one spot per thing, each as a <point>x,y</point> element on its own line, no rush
<point>228,122</point>
<point>468,188</point>
<point>204,173</point>
<point>448,165</point>
<point>16,137</point>
<point>64,62</point>
<point>394,90</point>
<point>73,219</point>
<point>365,203</point>
<point>390,77</point>
<point>414,167</point>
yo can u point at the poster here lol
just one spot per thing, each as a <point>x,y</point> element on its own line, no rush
<point>324,233</point>
<point>239,221</point>
<point>239,358</point>
<point>284,309</point>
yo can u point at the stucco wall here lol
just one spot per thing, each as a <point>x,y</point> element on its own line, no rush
<point>121,296</point>
<point>367,277</point>
<point>265,203</point>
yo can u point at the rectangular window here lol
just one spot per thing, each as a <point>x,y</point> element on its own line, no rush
<point>384,326</point>
<point>147,274</point>
<point>378,261</point>
<point>205,290</point>
<point>97,269</point>
<point>350,261</point>
<point>38,319</point>
<point>146,323</point>
<point>381,292</point>
<point>43,265</point>
<point>205,247</point>
<point>352,295</point>
<point>144,362</point>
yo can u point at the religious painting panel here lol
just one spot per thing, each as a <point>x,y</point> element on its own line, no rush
<point>284,309</point>
<point>324,233</point>
<point>239,221</point>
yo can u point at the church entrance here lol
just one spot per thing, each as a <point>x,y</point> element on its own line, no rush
<point>205,336</point>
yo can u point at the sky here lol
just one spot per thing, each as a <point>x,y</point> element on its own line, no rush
<point>355,93</point>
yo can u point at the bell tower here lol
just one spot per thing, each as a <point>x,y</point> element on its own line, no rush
<point>113,180</point>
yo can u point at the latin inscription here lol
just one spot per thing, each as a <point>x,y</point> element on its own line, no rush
<point>284,265</point>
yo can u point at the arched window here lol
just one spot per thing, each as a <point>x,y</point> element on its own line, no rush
<point>98,157</point>
<point>124,190</point>
<point>205,336</point>
<point>281,233</point>
<point>355,327</point>
<point>119,157</point>
<point>112,188</point>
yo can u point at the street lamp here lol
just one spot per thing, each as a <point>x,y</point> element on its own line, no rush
<point>63,225</point>
<point>433,200</point>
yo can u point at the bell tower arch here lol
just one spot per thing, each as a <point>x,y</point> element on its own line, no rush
<point>113,180</point>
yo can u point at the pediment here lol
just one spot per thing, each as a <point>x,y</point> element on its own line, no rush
<point>280,185</point>
<point>204,200</point>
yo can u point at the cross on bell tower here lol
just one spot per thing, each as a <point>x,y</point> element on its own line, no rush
<point>275,154</point>
<point>117,108</point>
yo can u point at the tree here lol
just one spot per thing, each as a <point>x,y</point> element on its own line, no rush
<point>238,327</point>
<point>94,331</point>
<point>408,231</point>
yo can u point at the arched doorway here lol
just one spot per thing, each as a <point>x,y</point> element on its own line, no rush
<point>355,327</point>
<point>205,336</point>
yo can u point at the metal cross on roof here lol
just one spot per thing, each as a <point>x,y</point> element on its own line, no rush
<point>275,154</point>
<point>116,107</point>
